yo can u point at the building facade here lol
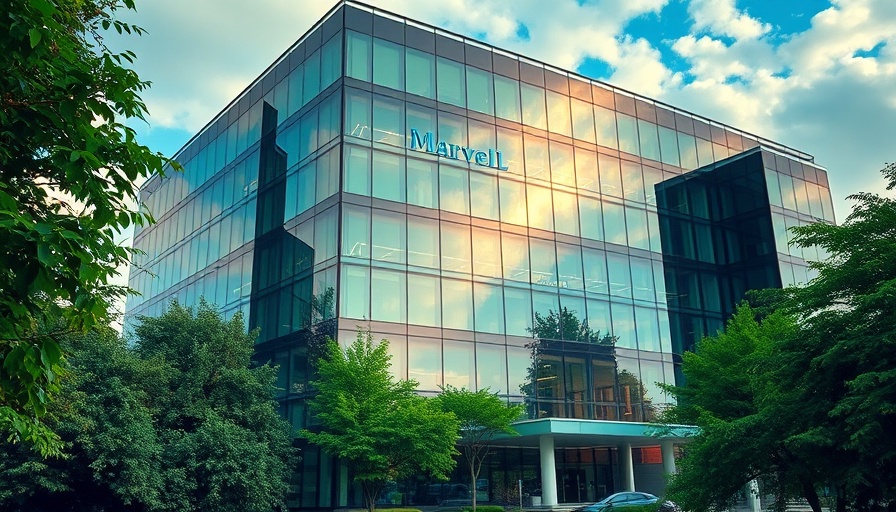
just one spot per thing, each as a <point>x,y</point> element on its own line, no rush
<point>503,223</point>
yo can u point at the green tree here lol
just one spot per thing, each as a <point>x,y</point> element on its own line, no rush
<point>482,416</point>
<point>177,420</point>
<point>844,360</point>
<point>382,428</point>
<point>68,167</point>
<point>746,420</point>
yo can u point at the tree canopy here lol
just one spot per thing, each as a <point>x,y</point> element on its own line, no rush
<point>177,420</point>
<point>69,164</point>
<point>381,427</point>
<point>482,416</point>
<point>811,386</point>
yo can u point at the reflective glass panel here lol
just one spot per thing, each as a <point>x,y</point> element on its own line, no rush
<point>388,238</point>
<point>566,213</point>
<point>605,127</point>
<point>507,98</point>
<point>624,325</point>
<point>388,176</point>
<point>354,301</point>
<point>569,266</point>
<point>650,143</point>
<point>358,56</point>
<point>423,183</point>
<point>562,165</point>
<point>388,64</point>
<point>619,274</point>
<point>357,170</point>
<point>451,82</point>
<point>544,262</point>
<point>595,264</point>
<point>515,257</point>
<point>356,232</point>
<point>424,300</point>
<point>480,92</point>
<point>541,214</point>
<point>518,301</point>
<point>489,303</point>
<point>537,162</point>
<point>454,189</point>
<point>459,364</point>
<point>389,304</point>
<point>421,73</point>
<point>484,195</point>
<point>582,120</point>
<point>587,177</point>
<point>425,362</point>
<point>457,304</point>
<point>591,218</point>
<point>513,202</point>
<point>534,110</point>
<point>456,247</point>
<point>423,242</point>
<point>388,121</point>
<point>610,177</point>
<point>486,252</point>
<point>558,113</point>
<point>491,367</point>
<point>614,223</point>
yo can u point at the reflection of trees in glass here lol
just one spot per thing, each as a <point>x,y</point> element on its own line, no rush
<point>574,373</point>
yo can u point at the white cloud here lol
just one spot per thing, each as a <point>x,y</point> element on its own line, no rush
<point>721,17</point>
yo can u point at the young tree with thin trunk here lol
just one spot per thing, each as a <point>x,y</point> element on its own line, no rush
<point>483,416</point>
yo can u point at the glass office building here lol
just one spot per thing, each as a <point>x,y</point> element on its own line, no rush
<point>503,223</point>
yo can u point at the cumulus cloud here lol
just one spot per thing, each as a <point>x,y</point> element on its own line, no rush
<point>721,17</point>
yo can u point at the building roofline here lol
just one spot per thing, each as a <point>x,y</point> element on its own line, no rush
<point>763,142</point>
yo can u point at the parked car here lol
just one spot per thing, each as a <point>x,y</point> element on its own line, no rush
<point>621,500</point>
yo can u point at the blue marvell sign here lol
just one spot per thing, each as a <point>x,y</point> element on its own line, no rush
<point>487,158</point>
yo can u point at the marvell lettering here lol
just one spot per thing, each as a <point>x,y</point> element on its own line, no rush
<point>490,158</point>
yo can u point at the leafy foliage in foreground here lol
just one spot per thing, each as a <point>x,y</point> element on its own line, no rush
<point>482,416</point>
<point>380,427</point>
<point>812,407</point>
<point>68,168</point>
<point>178,421</point>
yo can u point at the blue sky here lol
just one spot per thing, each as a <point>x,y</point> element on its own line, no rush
<point>817,75</point>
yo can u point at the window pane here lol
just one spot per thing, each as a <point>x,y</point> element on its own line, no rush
<point>587,177</point>
<point>562,166</point>
<point>624,325</point>
<point>558,113</point>
<point>510,144</point>
<point>357,114</point>
<point>451,82</point>
<point>489,302</point>
<point>388,176</point>
<point>456,247</point>
<point>618,272</point>
<point>544,262</point>
<point>330,61</point>
<point>388,238</point>
<point>610,180</point>
<point>459,364</point>
<point>454,190</point>
<point>687,146</point>
<point>534,110</point>
<point>425,362</point>
<point>541,214</point>
<point>507,98</point>
<point>513,202</point>
<point>357,170</point>
<point>605,127</point>
<point>599,316</point>
<point>595,264</point>
<point>358,56</point>
<point>582,120</point>
<point>486,252</point>
<point>628,133</point>
<point>390,294</point>
<point>354,301</point>
<point>591,218</point>
<point>421,73</point>
<point>650,143</point>
<point>519,302</point>
<point>484,195</point>
<point>423,242</point>
<point>537,162</point>
<point>636,222</point>
<point>423,183</point>
<point>457,305</point>
<point>482,136</point>
<point>480,91</point>
<point>388,64</point>
<point>669,146</point>
<point>566,213</point>
<point>312,76</point>
<point>356,232</point>
<point>491,367</point>
<point>642,279</point>
<point>424,301</point>
<point>515,257</point>
<point>632,181</point>
<point>388,121</point>
<point>614,223</point>
<point>452,129</point>
<point>569,266</point>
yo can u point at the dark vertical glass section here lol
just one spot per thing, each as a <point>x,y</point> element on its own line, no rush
<point>717,242</point>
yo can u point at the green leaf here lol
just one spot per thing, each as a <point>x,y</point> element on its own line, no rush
<point>34,36</point>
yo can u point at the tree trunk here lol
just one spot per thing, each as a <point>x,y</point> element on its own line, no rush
<point>810,494</point>
<point>473,476</point>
